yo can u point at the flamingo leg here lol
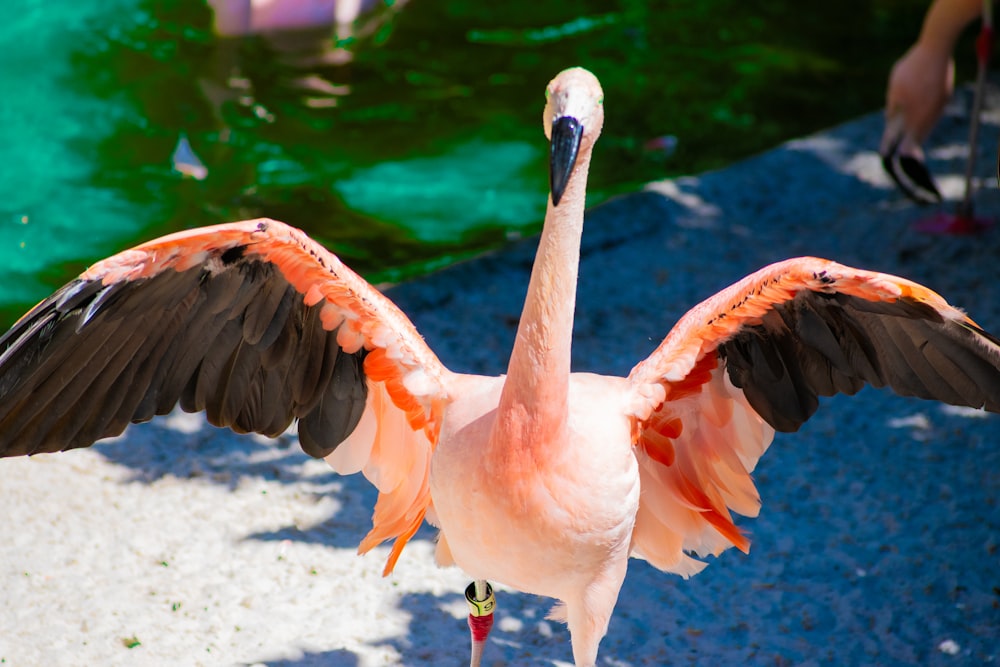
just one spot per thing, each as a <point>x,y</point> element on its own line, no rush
<point>482,604</point>
<point>984,44</point>
<point>964,221</point>
<point>588,614</point>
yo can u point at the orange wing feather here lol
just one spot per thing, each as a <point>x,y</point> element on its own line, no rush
<point>399,366</point>
<point>744,303</point>
<point>697,436</point>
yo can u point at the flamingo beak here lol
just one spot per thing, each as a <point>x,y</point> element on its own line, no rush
<point>567,132</point>
<point>903,160</point>
<point>913,177</point>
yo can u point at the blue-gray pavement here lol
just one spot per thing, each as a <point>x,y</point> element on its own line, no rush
<point>879,538</point>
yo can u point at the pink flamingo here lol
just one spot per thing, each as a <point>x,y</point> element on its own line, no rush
<point>542,479</point>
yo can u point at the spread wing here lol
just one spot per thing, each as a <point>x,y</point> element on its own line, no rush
<point>754,358</point>
<point>256,325</point>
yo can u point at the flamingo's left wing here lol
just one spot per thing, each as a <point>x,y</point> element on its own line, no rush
<point>754,358</point>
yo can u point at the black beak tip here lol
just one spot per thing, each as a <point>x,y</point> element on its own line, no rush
<point>567,132</point>
<point>912,176</point>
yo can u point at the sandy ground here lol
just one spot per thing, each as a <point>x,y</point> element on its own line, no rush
<point>877,544</point>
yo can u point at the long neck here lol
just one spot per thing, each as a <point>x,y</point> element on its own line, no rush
<point>534,406</point>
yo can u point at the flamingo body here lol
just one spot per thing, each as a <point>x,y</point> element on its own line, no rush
<point>542,479</point>
<point>587,491</point>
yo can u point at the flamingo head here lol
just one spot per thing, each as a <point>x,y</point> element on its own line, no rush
<point>573,118</point>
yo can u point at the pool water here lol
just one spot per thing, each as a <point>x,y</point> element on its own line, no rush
<point>403,142</point>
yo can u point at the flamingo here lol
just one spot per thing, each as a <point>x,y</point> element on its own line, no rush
<point>919,85</point>
<point>543,479</point>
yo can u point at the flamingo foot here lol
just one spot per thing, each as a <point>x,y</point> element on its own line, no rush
<point>953,224</point>
<point>482,603</point>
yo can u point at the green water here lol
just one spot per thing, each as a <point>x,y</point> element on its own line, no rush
<point>411,143</point>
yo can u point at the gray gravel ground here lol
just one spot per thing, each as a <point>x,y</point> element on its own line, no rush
<point>877,543</point>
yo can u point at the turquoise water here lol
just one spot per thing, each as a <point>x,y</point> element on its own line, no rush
<point>404,144</point>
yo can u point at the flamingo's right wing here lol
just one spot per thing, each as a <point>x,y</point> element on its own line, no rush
<point>253,323</point>
<point>754,359</point>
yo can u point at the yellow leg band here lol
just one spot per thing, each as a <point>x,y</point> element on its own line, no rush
<point>480,607</point>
